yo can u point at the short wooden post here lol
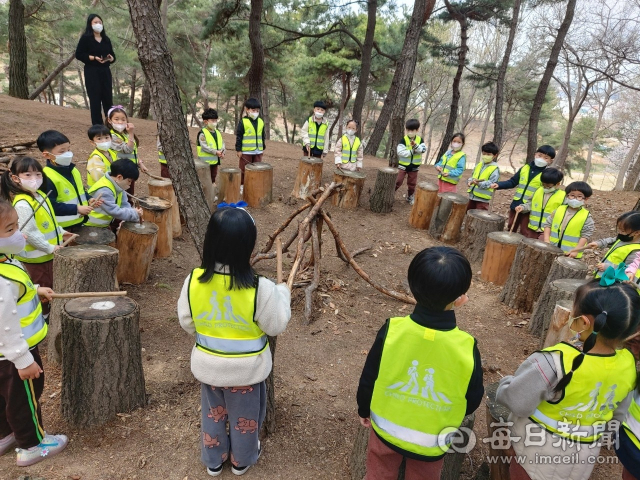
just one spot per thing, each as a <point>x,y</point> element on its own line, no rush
<point>95,236</point>
<point>353,182</point>
<point>229,184</point>
<point>559,327</point>
<point>496,418</point>
<point>204,175</point>
<point>158,211</point>
<point>164,189</point>
<point>258,184</point>
<point>136,243</point>
<point>499,253</point>
<point>309,177</point>
<point>425,202</point>
<point>448,216</point>
<point>381,200</point>
<point>477,225</point>
<point>562,289</point>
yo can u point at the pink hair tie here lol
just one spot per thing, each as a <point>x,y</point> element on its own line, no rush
<point>113,108</point>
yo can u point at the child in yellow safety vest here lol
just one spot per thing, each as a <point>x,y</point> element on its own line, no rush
<point>452,164</point>
<point>231,310</point>
<point>210,143</point>
<point>570,226</point>
<point>546,199</point>
<point>348,151</point>
<point>484,175</point>
<point>250,137</point>
<point>566,401</point>
<point>102,156</point>
<point>410,150</point>
<point>423,374</point>
<point>624,247</point>
<point>22,328</point>
<point>21,186</point>
<point>123,139</point>
<point>315,132</point>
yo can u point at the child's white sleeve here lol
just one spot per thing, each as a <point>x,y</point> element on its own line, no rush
<point>12,345</point>
<point>403,151</point>
<point>35,238</point>
<point>359,156</point>
<point>305,133</point>
<point>273,307</point>
<point>184,311</point>
<point>338,152</point>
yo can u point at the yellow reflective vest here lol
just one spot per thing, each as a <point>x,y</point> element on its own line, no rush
<point>632,421</point>
<point>161,158</point>
<point>416,157</point>
<point>594,392</point>
<point>526,188</point>
<point>617,254</point>
<point>449,164</point>
<point>47,224</point>
<point>568,239</point>
<point>224,319</point>
<point>541,210</point>
<point>483,172</point>
<point>69,193</point>
<point>98,217</point>
<point>212,140</point>
<point>316,134</point>
<point>350,152</point>
<point>29,308</point>
<point>421,387</point>
<point>252,139</point>
<point>133,156</point>
<point>113,156</point>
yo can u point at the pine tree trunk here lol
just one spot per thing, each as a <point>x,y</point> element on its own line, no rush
<point>596,130</point>
<point>477,225</point>
<point>381,200</point>
<point>158,68</point>
<point>365,63</point>
<point>266,115</point>
<point>634,174</point>
<point>83,89</point>
<point>18,81</point>
<point>624,168</point>
<point>132,93</point>
<point>448,216</point>
<point>485,127</point>
<point>145,101</point>
<point>61,79</point>
<point>256,70</point>
<point>538,101</point>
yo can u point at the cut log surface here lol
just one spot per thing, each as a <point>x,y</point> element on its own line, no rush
<point>560,327</point>
<point>499,252</point>
<point>101,362</point>
<point>381,200</point>
<point>497,415</point>
<point>528,274</point>
<point>258,184</point>
<point>84,268</point>
<point>446,222</point>
<point>136,243</point>
<point>157,210</point>
<point>229,179</point>
<point>562,289</point>
<point>562,267</point>
<point>309,177</point>
<point>477,225</point>
<point>353,183</point>
<point>164,189</point>
<point>204,175</point>
<point>95,236</point>
<point>425,202</point>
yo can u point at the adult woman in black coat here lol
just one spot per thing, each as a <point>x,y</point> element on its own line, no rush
<point>95,51</point>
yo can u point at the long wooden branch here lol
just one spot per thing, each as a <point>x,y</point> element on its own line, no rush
<point>52,76</point>
<point>282,227</point>
<point>308,293</point>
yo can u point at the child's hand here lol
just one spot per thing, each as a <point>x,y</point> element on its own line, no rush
<point>572,254</point>
<point>365,422</point>
<point>494,186</point>
<point>601,267</point>
<point>139,212</point>
<point>358,169</point>
<point>439,169</point>
<point>592,245</point>
<point>95,203</point>
<point>239,154</point>
<point>84,209</point>
<point>519,208</point>
<point>143,167</point>
<point>31,372</point>
<point>445,174</point>
<point>130,127</point>
<point>45,292</point>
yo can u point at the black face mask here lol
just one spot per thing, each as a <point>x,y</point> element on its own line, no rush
<point>625,238</point>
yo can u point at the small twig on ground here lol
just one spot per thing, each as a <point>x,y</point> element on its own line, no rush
<point>315,245</point>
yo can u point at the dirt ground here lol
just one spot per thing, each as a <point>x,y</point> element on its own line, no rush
<point>317,366</point>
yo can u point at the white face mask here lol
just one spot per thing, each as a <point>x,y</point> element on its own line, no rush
<point>13,244</point>
<point>212,125</point>
<point>540,162</point>
<point>351,132</point>
<point>64,160</point>
<point>319,114</point>
<point>31,185</point>
<point>104,145</point>
<point>549,190</point>
<point>119,127</point>
<point>574,203</point>
<point>97,27</point>
<point>456,146</point>
<point>253,115</point>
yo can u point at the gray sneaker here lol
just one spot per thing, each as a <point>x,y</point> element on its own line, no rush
<point>411,199</point>
<point>7,443</point>
<point>50,446</point>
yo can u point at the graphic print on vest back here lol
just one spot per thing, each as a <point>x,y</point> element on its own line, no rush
<point>215,314</point>
<point>415,388</point>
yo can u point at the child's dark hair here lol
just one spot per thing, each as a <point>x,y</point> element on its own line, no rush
<point>412,124</point>
<point>352,120</point>
<point>209,114</point>
<point>547,150</point>
<point>551,176</point>
<point>50,139</point>
<point>491,148</point>
<point>582,187</point>
<point>126,168</point>
<point>9,188</point>
<point>98,130</point>
<point>616,313</point>
<point>438,276</point>
<point>629,221</point>
<point>460,135</point>
<point>5,207</point>
<point>252,103</point>
<point>107,121</point>
<point>230,238</point>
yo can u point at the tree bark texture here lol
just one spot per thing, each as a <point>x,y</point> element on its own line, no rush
<point>136,243</point>
<point>258,184</point>
<point>145,101</point>
<point>499,252</point>
<point>425,203</point>
<point>624,168</point>
<point>256,69</point>
<point>159,71</point>
<point>381,200</point>
<point>448,216</point>
<point>164,189</point>
<point>85,268</point>
<point>528,274</point>
<point>631,182</point>
<point>563,289</point>
<point>18,80</point>
<point>102,361</point>
<point>496,414</point>
<point>478,224</point>
<point>560,326</point>
<point>349,195</point>
<point>157,210</point>
<point>365,63</point>
<point>229,181</point>
<point>309,177</point>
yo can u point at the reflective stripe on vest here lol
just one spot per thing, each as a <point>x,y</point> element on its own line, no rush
<point>449,164</point>
<point>107,163</point>
<point>421,386</point>
<point>350,152</point>
<point>617,254</point>
<point>161,158</point>
<point>68,193</point>
<point>29,308</point>
<point>316,134</point>
<point>47,224</point>
<point>632,421</point>
<point>482,172</point>
<point>216,141</point>
<point>252,140</point>
<point>592,395</point>
<point>540,210</point>
<point>569,238</point>
<point>416,157</point>
<point>133,156</point>
<point>98,217</point>
<point>526,188</point>
<point>224,319</point>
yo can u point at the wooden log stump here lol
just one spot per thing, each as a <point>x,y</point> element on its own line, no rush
<point>560,326</point>
<point>528,273</point>
<point>95,236</point>
<point>353,182</point>
<point>136,243</point>
<point>425,202</point>
<point>309,177</point>
<point>102,361</point>
<point>497,431</point>
<point>452,461</point>
<point>158,211</point>
<point>448,216</point>
<point>381,200</point>
<point>204,175</point>
<point>164,189</point>
<point>229,184</point>
<point>258,184</point>
<point>84,268</point>
<point>499,252</point>
<point>562,267</point>
<point>562,289</point>
<point>477,225</point>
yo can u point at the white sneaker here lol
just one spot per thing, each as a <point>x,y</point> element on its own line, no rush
<point>241,189</point>
<point>411,199</point>
<point>7,443</point>
<point>242,470</point>
<point>214,472</point>
<point>49,446</point>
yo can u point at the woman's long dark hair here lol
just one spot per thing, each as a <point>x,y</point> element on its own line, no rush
<point>89,31</point>
<point>9,188</point>
<point>230,238</point>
